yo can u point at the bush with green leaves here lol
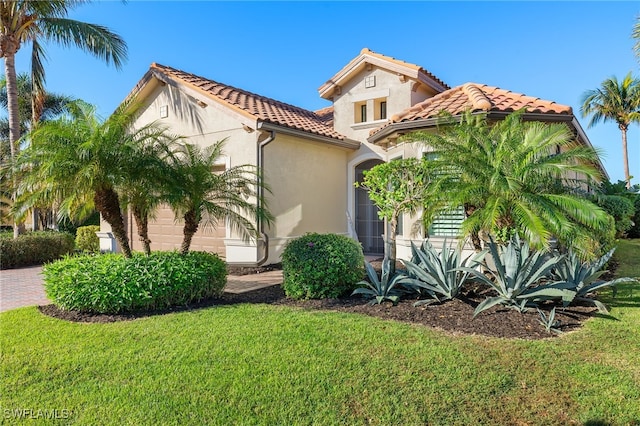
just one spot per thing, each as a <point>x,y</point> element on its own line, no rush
<point>317,266</point>
<point>520,276</point>
<point>621,209</point>
<point>111,283</point>
<point>34,248</point>
<point>634,232</point>
<point>387,287</point>
<point>438,274</point>
<point>87,240</point>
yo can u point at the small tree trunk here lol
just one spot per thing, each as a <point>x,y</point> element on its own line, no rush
<point>190,228</point>
<point>625,154</point>
<point>142,223</point>
<point>108,204</point>
<point>393,226</point>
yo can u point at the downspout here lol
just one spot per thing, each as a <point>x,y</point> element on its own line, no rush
<point>260,162</point>
<point>259,202</point>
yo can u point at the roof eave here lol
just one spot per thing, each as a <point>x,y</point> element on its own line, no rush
<point>342,143</point>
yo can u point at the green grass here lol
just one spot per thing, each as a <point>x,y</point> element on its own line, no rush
<point>258,364</point>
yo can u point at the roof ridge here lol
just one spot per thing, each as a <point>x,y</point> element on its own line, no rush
<point>243,91</point>
<point>477,97</point>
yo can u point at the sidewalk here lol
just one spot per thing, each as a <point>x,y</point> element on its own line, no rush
<point>24,287</point>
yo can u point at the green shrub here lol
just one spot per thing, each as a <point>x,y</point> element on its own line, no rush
<point>87,240</point>
<point>34,248</point>
<point>634,232</point>
<point>319,266</point>
<point>111,283</point>
<point>622,210</point>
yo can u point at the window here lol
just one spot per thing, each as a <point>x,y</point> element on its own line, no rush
<point>380,109</point>
<point>447,223</point>
<point>370,81</point>
<point>360,112</point>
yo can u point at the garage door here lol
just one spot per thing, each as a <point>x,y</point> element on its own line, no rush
<point>166,234</point>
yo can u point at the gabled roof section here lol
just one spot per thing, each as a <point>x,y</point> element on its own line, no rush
<point>250,104</point>
<point>475,98</point>
<point>402,68</point>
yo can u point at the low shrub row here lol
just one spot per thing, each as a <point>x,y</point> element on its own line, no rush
<point>111,283</point>
<point>317,266</point>
<point>34,248</point>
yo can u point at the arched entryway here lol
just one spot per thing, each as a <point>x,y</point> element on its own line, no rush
<point>369,227</point>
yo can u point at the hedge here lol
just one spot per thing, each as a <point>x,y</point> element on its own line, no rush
<point>34,248</point>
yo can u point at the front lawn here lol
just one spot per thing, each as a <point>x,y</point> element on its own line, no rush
<point>260,364</point>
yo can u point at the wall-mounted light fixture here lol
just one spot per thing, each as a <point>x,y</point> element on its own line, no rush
<point>164,111</point>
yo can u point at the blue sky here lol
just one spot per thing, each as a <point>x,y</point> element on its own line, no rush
<point>286,50</point>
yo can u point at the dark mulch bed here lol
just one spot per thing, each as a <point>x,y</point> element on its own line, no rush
<point>453,316</point>
<point>248,270</point>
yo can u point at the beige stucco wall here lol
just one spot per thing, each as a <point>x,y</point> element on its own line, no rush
<point>389,85</point>
<point>309,191</point>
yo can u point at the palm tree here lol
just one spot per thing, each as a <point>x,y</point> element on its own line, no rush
<point>617,101</point>
<point>83,162</point>
<point>23,21</point>
<point>198,195</point>
<point>513,176</point>
<point>53,106</point>
<point>144,192</point>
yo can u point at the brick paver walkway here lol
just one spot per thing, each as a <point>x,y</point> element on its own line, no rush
<point>23,286</point>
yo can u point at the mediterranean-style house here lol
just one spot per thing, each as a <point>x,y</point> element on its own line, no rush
<point>311,159</point>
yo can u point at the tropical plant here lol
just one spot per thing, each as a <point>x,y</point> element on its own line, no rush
<point>53,106</point>
<point>35,22</point>
<point>517,272</point>
<point>581,278</point>
<point>549,322</point>
<point>82,161</point>
<point>617,101</point>
<point>438,274</point>
<point>385,287</point>
<point>149,183</point>
<point>198,195</point>
<point>396,187</point>
<point>513,174</point>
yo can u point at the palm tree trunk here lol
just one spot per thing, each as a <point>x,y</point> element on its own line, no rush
<point>625,155</point>
<point>190,228</point>
<point>475,237</point>
<point>14,121</point>
<point>108,204</point>
<point>142,223</point>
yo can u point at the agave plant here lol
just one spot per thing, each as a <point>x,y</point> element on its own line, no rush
<point>380,289</point>
<point>582,278</point>
<point>549,322</point>
<point>439,275</point>
<point>517,273</point>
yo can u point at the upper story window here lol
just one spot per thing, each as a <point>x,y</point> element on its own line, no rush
<point>380,106</point>
<point>370,110</point>
<point>360,112</point>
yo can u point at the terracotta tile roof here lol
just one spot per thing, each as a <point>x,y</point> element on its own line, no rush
<point>475,97</point>
<point>326,115</point>
<point>260,107</point>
